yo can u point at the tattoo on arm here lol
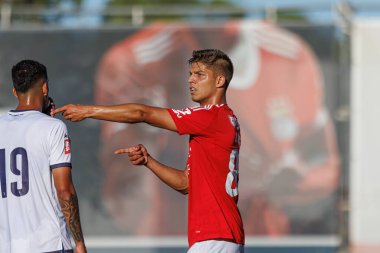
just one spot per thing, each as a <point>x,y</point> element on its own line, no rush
<point>70,209</point>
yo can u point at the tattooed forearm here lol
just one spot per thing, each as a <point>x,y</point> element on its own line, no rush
<point>70,209</point>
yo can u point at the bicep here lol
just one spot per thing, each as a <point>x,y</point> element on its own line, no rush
<point>62,179</point>
<point>159,117</point>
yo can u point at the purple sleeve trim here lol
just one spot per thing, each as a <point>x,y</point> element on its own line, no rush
<point>59,165</point>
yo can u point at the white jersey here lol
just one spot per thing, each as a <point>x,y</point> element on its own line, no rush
<point>31,145</point>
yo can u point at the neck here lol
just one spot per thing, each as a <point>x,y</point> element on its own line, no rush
<point>214,101</point>
<point>29,102</point>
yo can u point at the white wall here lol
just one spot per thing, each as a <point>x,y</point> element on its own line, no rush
<point>365,133</point>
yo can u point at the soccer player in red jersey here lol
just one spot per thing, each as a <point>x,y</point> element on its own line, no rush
<point>211,175</point>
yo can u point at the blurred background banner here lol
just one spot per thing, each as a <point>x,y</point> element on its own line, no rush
<point>289,163</point>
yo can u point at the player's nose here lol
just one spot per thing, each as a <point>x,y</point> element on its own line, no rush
<point>190,80</point>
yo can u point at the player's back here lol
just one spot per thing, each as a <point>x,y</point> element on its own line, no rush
<point>30,220</point>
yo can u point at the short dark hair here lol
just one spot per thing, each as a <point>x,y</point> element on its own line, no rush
<point>26,74</point>
<point>215,59</point>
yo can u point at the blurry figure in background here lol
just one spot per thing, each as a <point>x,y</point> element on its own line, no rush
<point>289,160</point>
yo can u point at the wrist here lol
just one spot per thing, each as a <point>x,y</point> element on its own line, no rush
<point>79,243</point>
<point>148,160</point>
<point>90,111</point>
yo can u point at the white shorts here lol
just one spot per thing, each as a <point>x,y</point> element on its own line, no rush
<point>216,246</point>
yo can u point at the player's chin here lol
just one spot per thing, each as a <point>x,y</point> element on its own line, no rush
<point>194,98</point>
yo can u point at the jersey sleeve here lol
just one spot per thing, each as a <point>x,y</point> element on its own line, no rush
<point>60,152</point>
<point>194,121</point>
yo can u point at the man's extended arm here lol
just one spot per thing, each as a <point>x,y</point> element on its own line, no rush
<point>176,179</point>
<point>125,113</point>
<point>69,205</point>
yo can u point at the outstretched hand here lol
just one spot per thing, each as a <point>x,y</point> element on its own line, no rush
<point>138,155</point>
<point>72,112</point>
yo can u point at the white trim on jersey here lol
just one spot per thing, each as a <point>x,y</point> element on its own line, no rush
<point>206,107</point>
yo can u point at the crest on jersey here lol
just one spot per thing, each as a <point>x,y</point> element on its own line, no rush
<point>67,148</point>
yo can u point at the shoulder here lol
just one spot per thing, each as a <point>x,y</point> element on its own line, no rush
<point>50,123</point>
<point>198,110</point>
<point>50,119</point>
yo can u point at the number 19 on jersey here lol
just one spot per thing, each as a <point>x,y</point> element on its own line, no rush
<point>19,169</point>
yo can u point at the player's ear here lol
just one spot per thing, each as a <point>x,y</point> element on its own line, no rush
<point>220,81</point>
<point>45,89</point>
<point>14,92</point>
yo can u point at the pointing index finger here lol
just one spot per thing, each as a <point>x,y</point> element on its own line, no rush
<point>60,109</point>
<point>125,150</point>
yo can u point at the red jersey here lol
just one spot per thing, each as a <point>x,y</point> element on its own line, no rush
<point>213,165</point>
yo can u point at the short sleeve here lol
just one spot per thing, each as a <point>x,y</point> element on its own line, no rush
<point>193,121</point>
<point>60,151</point>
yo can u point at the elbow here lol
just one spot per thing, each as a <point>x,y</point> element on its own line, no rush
<point>65,194</point>
<point>184,185</point>
<point>183,191</point>
<point>142,116</point>
<point>139,115</point>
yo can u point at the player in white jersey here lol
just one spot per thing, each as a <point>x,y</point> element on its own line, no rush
<point>38,203</point>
